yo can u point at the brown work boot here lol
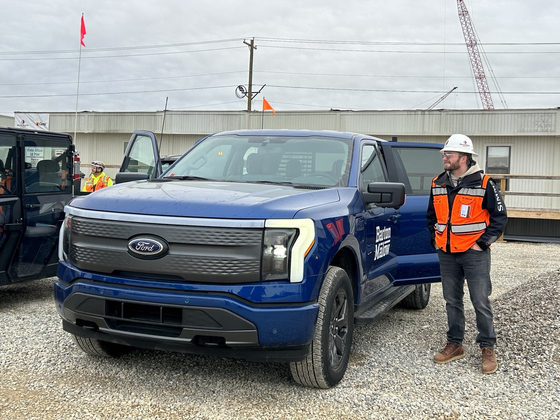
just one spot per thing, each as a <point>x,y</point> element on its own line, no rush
<point>489,363</point>
<point>450,352</point>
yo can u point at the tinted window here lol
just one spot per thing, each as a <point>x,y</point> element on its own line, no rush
<point>421,166</point>
<point>46,165</point>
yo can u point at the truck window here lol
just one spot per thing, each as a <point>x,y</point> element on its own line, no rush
<point>372,169</point>
<point>46,166</point>
<point>141,156</point>
<point>421,165</point>
<point>8,174</point>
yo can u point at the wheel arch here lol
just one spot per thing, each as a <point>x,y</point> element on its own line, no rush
<point>346,259</point>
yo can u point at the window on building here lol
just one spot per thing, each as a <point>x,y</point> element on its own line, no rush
<point>498,161</point>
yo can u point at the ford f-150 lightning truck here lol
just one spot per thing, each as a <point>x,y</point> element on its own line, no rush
<point>265,245</point>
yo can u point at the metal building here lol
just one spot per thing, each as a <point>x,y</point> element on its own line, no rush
<point>521,142</point>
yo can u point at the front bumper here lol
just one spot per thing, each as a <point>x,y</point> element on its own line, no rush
<point>186,321</point>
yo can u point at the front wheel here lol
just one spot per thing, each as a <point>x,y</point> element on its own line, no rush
<point>100,348</point>
<point>327,360</point>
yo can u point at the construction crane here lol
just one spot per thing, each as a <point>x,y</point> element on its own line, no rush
<point>442,98</point>
<point>474,55</point>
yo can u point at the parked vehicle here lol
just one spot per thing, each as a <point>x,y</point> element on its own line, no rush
<point>36,181</point>
<point>258,244</point>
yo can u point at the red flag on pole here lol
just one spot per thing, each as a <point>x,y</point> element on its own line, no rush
<point>82,31</point>
<point>266,106</point>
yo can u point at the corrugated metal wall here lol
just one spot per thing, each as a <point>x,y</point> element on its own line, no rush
<point>6,121</point>
<point>533,135</point>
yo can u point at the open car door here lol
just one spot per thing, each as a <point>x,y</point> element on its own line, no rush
<point>141,159</point>
<point>35,185</point>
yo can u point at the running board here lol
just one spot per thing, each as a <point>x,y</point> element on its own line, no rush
<point>384,303</point>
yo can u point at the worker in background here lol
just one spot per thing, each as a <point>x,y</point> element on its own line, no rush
<point>466,214</point>
<point>97,179</point>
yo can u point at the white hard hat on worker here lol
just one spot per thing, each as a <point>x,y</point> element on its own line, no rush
<point>459,143</point>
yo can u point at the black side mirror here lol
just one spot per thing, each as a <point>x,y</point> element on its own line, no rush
<point>130,176</point>
<point>385,194</point>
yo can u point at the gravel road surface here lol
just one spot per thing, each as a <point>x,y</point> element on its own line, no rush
<point>390,376</point>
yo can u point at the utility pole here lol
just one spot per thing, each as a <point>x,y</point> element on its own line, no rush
<point>252,47</point>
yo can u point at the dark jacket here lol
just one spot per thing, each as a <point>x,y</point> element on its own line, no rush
<point>492,202</point>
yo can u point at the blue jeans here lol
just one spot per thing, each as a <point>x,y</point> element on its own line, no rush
<point>474,266</point>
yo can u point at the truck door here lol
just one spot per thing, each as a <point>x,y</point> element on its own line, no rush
<point>11,227</point>
<point>381,225</point>
<point>414,165</point>
<point>141,159</point>
<point>41,187</point>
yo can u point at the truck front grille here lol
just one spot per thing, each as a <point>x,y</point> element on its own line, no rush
<point>196,254</point>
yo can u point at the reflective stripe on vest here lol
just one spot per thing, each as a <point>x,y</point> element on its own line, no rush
<point>466,219</point>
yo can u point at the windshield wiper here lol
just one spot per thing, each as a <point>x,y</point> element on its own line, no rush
<point>290,184</point>
<point>188,178</point>
<point>272,182</point>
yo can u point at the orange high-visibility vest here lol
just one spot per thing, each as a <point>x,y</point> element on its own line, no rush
<point>102,182</point>
<point>467,221</point>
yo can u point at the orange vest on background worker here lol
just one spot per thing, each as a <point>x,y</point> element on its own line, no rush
<point>96,183</point>
<point>467,221</point>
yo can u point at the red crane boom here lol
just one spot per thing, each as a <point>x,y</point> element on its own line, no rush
<point>474,55</point>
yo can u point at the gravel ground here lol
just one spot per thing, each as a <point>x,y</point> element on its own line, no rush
<point>390,376</point>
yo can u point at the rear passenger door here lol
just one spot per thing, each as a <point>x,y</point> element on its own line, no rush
<point>414,165</point>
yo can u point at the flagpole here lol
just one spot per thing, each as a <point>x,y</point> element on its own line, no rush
<point>262,119</point>
<point>78,84</point>
<point>77,93</point>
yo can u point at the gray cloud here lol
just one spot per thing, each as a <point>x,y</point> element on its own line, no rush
<point>311,55</point>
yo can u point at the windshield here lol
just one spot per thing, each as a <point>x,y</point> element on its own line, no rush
<point>306,161</point>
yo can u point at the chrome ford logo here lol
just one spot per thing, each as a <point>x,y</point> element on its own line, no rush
<point>147,248</point>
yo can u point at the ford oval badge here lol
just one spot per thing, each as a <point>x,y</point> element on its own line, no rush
<point>147,248</point>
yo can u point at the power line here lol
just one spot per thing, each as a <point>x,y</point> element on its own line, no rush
<point>117,56</point>
<point>125,80</point>
<point>143,47</point>
<point>272,86</point>
<point>56,95</point>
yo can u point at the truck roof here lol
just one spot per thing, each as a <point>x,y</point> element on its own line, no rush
<point>297,133</point>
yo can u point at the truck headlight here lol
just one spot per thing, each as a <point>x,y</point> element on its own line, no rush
<point>64,244</point>
<point>277,244</point>
<point>286,244</point>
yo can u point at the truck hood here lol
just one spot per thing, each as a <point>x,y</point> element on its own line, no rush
<point>209,199</point>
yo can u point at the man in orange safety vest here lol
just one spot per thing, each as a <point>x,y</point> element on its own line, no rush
<point>97,179</point>
<point>466,214</point>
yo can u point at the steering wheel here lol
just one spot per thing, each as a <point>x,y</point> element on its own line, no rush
<point>323,175</point>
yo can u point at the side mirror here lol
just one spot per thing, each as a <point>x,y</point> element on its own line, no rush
<point>385,194</point>
<point>129,176</point>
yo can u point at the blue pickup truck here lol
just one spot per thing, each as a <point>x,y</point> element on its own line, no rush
<point>265,245</point>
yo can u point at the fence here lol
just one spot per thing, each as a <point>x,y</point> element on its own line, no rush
<point>552,213</point>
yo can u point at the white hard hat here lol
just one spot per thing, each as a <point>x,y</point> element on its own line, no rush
<point>98,164</point>
<point>459,143</point>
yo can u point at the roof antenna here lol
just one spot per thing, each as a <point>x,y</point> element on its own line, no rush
<point>163,124</point>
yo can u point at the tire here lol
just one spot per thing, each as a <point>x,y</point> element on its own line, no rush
<point>100,348</point>
<point>419,298</point>
<point>326,363</point>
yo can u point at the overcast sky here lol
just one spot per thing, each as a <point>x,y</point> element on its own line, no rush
<point>311,55</point>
